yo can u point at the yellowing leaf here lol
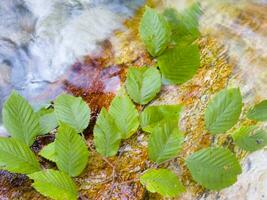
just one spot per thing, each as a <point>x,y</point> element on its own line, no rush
<point>223,111</point>
<point>214,168</point>
<point>154,31</point>
<point>107,136</point>
<point>162,181</point>
<point>143,84</point>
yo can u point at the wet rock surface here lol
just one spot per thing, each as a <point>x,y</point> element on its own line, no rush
<point>97,78</point>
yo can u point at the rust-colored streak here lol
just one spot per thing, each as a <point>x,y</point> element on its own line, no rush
<point>96,80</point>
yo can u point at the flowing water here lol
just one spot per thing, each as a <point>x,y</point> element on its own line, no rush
<point>40,41</point>
<point>84,47</point>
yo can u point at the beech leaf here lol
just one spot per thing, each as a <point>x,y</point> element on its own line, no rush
<point>143,84</point>
<point>162,181</point>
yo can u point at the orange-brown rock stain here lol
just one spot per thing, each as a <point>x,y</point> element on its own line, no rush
<point>96,80</point>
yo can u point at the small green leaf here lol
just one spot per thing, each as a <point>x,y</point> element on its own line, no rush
<point>54,184</point>
<point>20,120</point>
<point>250,138</point>
<point>214,168</point>
<point>125,115</point>
<point>48,122</point>
<point>162,181</point>
<point>17,157</point>
<point>184,25</point>
<point>179,64</point>
<point>223,111</point>
<point>165,142</point>
<point>153,115</point>
<point>72,111</point>
<point>143,84</point>
<point>154,31</point>
<point>49,152</point>
<point>107,136</point>
<point>44,110</point>
<point>259,112</point>
<point>71,151</point>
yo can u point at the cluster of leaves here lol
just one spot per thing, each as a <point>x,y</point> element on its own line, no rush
<point>169,37</point>
<point>216,168</point>
<point>71,116</point>
<point>122,120</point>
<point>69,150</point>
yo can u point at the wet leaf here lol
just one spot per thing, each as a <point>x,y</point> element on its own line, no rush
<point>49,152</point>
<point>143,84</point>
<point>162,181</point>
<point>54,184</point>
<point>17,157</point>
<point>223,111</point>
<point>154,31</point>
<point>250,138</point>
<point>48,122</point>
<point>19,119</point>
<point>125,115</point>
<point>107,136</point>
<point>259,112</point>
<point>153,115</point>
<point>71,151</point>
<point>179,64</point>
<point>214,168</point>
<point>165,142</point>
<point>185,24</point>
<point>72,111</point>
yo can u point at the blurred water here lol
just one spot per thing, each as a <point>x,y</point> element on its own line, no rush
<point>40,40</point>
<point>240,26</point>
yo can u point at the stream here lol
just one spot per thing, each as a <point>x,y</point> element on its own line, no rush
<point>77,46</point>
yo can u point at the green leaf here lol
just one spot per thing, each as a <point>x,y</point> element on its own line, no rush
<point>17,157</point>
<point>154,31</point>
<point>165,142</point>
<point>250,138</point>
<point>162,181</point>
<point>214,168</point>
<point>184,25</point>
<point>19,119</point>
<point>259,112</point>
<point>107,136</point>
<point>125,115</point>
<point>153,115</point>
<point>179,64</point>
<point>47,119</point>
<point>48,122</point>
<point>71,151</point>
<point>143,84</point>
<point>49,152</point>
<point>72,111</point>
<point>54,184</point>
<point>223,110</point>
